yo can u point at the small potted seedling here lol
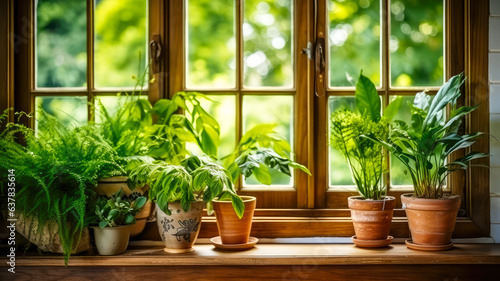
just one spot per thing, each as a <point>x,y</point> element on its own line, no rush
<point>114,217</point>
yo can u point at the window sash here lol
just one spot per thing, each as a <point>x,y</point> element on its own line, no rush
<point>464,19</point>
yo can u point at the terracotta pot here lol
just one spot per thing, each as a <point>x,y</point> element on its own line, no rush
<point>372,219</point>
<point>233,230</point>
<point>111,240</point>
<point>180,229</point>
<point>47,238</point>
<point>109,186</point>
<point>140,219</point>
<point>431,221</point>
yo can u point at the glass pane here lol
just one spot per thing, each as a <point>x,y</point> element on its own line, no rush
<point>267,35</point>
<point>416,33</point>
<point>121,38</point>
<point>339,170</point>
<point>70,111</point>
<point>270,110</point>
<point>61,43</point>
<point>210,61</point>
<point>354,40</point>
<point>399,173</point>
<point>224,110</point>
<point>112,104</point>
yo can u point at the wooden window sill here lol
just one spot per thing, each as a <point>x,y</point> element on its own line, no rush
<point>266,262</point>
<point>274,254</point>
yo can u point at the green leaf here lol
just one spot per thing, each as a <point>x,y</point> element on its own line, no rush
<point>447,94</point>
<point>367,99</point>
<point>113,214</point>
<point>139,202</point>
<point>392,109</point>
<point>262,174</point>
<point>129,219</point>
<point>103,224</point>
<point>238,205</point>
<point>296,165</point>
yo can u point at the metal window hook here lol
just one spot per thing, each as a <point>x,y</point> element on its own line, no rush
<point>155,51</point>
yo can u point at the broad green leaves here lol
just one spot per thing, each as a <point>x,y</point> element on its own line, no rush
<point>424,146</point>
<point>367,99</point>
<point>117,210</point>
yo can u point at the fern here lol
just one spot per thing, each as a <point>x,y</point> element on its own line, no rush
<point>56,171</point>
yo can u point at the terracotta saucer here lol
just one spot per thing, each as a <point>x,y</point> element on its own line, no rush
<point>216,241</point>
<point>372,243</point>
<point>421,247</point>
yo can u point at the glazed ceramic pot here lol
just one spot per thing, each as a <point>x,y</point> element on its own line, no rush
<point>233,230</point>
<point>372,220</point>
<point>180,229</point>
<point>431,221</point>
<point>111,240</point>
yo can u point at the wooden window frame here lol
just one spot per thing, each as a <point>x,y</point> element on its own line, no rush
<point>25,83</point>
<point>467,51</point>
<point>279,197</point>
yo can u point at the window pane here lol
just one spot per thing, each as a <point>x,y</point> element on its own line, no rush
<point>416,33</point>
<point>61,43</point>
<point>354,40</point>
<point>121,36</point>
<point>223,109</point>
<point>211,44</point>
<point>112,104</point>
<point>339,170</point>
<point>399,173</point>
<point>267,34</point>
<point>70,111</point>
<point>270,110</point>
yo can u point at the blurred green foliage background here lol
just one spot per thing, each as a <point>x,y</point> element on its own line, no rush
<point>416,55</point>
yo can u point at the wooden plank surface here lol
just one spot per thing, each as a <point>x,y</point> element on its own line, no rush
<point>273,254</point>
<point>239,273</point>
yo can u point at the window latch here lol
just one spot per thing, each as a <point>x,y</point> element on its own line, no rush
<point>155,53</point>
<point>308,51</point>
<point>320,62</point>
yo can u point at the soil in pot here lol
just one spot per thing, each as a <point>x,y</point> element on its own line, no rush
<point>111,240</point>
<point>431,221</point>
<point>233,230</point>
<point>372,220</point>
<point>180,229</point>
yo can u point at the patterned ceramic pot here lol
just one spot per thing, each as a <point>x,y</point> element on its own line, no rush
<point>180,229</point>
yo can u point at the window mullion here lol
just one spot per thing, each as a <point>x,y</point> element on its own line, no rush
<point>90,58</point>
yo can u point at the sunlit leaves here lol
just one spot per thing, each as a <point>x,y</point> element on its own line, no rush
<point>425,146</point>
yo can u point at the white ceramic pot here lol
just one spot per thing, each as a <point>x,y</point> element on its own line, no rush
<point>180,229</point>
<point>112,240</point>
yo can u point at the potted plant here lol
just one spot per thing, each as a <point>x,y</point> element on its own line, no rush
<point>57,168</point>
<point>424,148</point>
<point>179,192</point>
<point>372,211</point>
<point>114,217</point>
<point>259,151</point>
